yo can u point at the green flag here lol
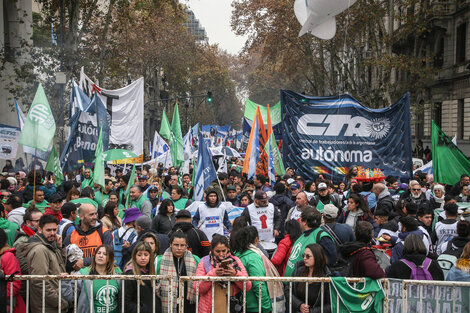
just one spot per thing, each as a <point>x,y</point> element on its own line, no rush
<point>98,173</point>
<point>448,162</point>
<point>165,130</point>
<point>176,140</point>
<point>118,154</point>
<point>53,165</point>
<point>39,125</point>
<point>129,185</point>
<point>277,160</point>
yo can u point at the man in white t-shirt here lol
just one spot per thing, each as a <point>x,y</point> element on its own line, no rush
<point>264,216</point>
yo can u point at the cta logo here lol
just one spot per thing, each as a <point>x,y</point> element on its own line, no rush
<point>41,114</point>
<point>346,125</point>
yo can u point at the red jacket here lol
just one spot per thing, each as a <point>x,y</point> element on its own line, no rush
<point>282,254</point>
<point>11,265</point>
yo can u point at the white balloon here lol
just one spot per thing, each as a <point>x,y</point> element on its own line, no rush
<point>318,16</point>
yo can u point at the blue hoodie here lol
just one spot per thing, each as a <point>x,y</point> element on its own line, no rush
<point>397,251</point>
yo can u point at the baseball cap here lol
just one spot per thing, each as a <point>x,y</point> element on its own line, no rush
<point>330,211</point>
<point>55,198</point>
<point>231,188</point>
<point>322,186</point>
<point>295,186</point>
<point>261,195</point>
<point>143,177</point>
<point>151,188</point>
<point>183,214</point>
<point>131,215</point>
<point>290,181</point>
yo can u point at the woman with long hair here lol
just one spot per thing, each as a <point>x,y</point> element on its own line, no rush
<point>72,194</point>
<point>284,248</point>
<point>244,243</point>
<point>313,265</point>
<point>164,221</point>
<point>357,211</point>
<point>111,220</point>
<point>114,197</point>
<point>140,264</point>
<point>101,264</point>
<point>245,200</point>
<point>220,262</point>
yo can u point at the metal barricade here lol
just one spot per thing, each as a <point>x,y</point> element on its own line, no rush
<point>400,295</point>
<point>29,279</point>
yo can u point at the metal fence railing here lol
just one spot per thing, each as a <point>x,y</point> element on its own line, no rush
<point>400,295</point>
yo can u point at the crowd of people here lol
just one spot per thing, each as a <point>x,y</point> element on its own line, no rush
<point>297,227</point>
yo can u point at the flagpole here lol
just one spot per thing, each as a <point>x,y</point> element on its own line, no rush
<point>34,178</point>
<point>217,176</point>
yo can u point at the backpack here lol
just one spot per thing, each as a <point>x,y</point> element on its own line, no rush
<point>420,272</point>
<point>448,259</point>
<point>66,228</point>
<point>118,242</point>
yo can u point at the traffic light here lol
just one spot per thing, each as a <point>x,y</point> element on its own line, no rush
<point>209,96</point>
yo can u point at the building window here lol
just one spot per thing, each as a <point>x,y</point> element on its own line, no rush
<point>460,119</point>
<point>437,114</point>
<point>419,121</point>
<point>461,43</point>
<point>439,57</point>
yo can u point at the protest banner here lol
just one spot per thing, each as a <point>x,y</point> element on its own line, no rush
<point>328,134</point>
<point>8,141</point>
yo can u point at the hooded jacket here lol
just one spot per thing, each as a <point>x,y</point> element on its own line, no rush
<point>44,258</point>
<point>385,202</point>
<point>198,243</point>
<point>16,215</point>
<point>96,236</point>
<point>10,265</point>
<point>10,230</point>
<point>283,203</point>
<point>364,263</point>
<point>397,250</point>
<point>455,245</point>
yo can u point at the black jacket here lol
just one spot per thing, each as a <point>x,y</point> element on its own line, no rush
<point>197,240</point>
<point>283,203</point>
<point>146,295</point>
<point>386,203</point>
<point>163,224</point>
<point>400,270</point>
<point>314,293</point>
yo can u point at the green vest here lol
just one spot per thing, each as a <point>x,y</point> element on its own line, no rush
<point>103,292</point>
<point>180,204</point>
<point>299,247</point>
<point>366,297</point>
<point>139,202</point>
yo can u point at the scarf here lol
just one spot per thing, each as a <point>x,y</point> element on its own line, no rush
<point>167,267</point>
<point>57,214</point>
<point>463,265</point>
<point>28,230</point>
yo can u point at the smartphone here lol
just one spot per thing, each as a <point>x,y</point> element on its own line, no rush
<point>224,263</point>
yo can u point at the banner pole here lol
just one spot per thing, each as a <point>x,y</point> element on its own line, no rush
<point>217,176</point>
<point>34,177</point>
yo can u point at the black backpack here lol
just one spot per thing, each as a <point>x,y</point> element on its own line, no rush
<point>342,267</point>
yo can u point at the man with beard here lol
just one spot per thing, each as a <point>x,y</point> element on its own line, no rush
<point>88,235</point>
<point>88,180</point>
<point>211,217</point>
<point>103,197</point>
<point>46,255</point>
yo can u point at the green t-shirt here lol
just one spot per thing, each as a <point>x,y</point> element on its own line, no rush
<point>299,247</point>
<point>41,206</point>
<point>365,298</point>
<point>103,294</point>
<point>10,230</point>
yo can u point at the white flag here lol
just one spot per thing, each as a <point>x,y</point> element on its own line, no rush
<point>159,146</point>
<point>222,166</point>
<point>188,152</point>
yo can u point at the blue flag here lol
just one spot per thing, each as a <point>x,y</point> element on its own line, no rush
<point>205,171</point>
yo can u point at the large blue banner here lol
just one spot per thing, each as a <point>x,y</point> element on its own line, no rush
<point>326,135</point>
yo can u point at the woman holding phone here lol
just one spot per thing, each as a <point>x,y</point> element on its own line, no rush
<point>219,262</point>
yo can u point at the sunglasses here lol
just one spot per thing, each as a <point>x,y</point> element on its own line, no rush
<point>306,256</point>
<point>416,189</point>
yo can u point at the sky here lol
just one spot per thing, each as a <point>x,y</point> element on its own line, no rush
<point>214,16</point>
